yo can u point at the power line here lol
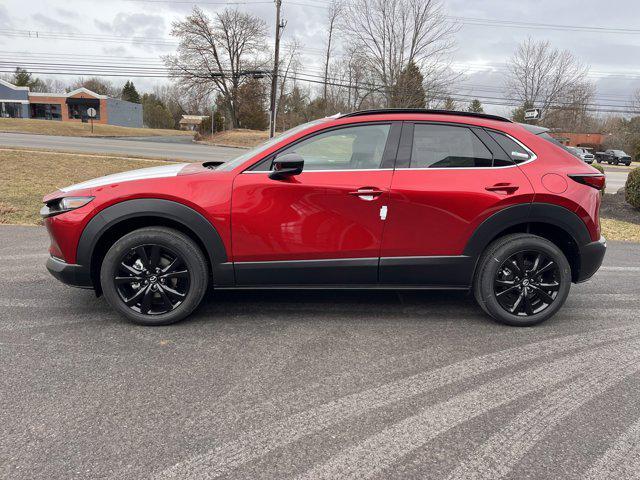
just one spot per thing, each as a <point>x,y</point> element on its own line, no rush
<point>489,100</point>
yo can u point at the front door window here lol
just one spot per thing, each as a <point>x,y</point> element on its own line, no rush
<point>351,148</point>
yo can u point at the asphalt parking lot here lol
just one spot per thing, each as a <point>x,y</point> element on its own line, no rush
<point>316,384</point>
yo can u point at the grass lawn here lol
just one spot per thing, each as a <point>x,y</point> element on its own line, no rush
<point>25,177</point>
<point>620,230</point>
<point>73,129</point>
<point>237,138</point>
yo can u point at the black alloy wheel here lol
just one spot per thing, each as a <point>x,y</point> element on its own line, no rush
<point>152,279</point>
<point>522,279</point>
<point>154,276</point>
<point>527,283</point>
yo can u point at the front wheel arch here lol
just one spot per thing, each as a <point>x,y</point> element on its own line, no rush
<point>119,219</point>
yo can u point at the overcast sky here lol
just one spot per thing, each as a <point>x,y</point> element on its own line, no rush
<point>481,51</point>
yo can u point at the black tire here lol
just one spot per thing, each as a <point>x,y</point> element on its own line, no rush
<point>161,272</point>
<point>495,282</point>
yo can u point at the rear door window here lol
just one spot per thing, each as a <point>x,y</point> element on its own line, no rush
<point>447,146</point>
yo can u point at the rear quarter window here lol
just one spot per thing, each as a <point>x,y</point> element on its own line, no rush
<point>513,149</point>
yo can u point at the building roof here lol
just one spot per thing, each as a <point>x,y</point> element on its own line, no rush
<point>12,86</point>
<point>192,119</point>
<point>69,94</point>
<point>86,91</point>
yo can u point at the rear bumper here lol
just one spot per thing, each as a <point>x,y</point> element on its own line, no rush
<point>591,256</point>
<point>73,275</point>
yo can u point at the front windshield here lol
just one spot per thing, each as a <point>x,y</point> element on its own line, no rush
<point>619,152</point>
<point>233,163</point>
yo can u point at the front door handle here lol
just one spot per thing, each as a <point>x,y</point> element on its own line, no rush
<point>502,187</point>
<point>367,193</point>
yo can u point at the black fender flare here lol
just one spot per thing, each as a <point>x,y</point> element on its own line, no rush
<point>155,207</point>
<point>518,214</point>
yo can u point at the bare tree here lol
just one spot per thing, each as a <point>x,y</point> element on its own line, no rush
<point>543,76</point>
<point>635,102</point>
<point>335,10</point>
<point>215,54</point>
<point>290,64</point>
<point>390,34</point>
<point>572,111</point>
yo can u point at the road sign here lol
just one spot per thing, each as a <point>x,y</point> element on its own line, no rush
<point>532,114</point>
<point>91,113</point>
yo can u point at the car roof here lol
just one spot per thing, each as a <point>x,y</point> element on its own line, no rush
<point>385,111</point>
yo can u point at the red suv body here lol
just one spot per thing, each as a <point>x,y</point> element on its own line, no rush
<point>379,199</point>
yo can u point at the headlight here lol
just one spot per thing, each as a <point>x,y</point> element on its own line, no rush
<point>61,205</point>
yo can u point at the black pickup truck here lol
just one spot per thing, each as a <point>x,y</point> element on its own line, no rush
<point>613,157</point>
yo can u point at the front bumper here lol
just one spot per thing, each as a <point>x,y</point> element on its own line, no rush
<point>591,256</point>
<point>74,275</point>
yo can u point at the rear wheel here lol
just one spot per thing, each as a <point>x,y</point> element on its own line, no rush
<point>154,276</point>
<point>522,280</point>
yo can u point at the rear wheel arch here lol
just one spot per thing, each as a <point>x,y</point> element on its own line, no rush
<point>555,223</point>
<point>119,219</point>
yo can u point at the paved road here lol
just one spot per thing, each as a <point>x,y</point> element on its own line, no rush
<point>617,176</point>
<point>176,148</point>
<point>316,385</point>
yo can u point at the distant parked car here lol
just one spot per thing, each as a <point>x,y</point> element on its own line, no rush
<point>583,154</point>
<point>613,157</point>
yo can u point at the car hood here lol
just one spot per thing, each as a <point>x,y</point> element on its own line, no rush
<point>140,174</point>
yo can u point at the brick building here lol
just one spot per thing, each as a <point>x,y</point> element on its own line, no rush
<point>19,102</point>
<point>586,140</point>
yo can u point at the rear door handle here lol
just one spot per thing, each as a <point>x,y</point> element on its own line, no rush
<point>367,193</point>
<point>502,187</point>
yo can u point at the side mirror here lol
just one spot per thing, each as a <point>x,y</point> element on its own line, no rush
<point>287,166</point>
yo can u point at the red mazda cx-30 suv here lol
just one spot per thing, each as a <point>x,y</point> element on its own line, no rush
<point>376,199</point>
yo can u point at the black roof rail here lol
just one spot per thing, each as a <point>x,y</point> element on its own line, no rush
<point>425,110</point>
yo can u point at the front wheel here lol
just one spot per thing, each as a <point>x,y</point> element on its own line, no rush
<point>522,280</point>
<point>154,276</point>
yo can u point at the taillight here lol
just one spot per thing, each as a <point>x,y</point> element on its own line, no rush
<point>595,180</point>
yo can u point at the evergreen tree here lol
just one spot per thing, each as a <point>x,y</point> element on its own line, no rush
<point>252,112</point>
<point>129,93</point>
<point>155,113</point>
<point>218,121</point>
<point>408,91</point>
<point>21,78</point>
<point>450,104</point>
<point>476,107</point>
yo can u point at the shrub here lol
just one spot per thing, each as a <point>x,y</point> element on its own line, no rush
<point>632,188</point>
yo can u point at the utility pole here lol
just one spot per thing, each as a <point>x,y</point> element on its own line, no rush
<point>274,76</point>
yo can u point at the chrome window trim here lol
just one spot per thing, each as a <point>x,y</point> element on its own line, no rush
<point>524,147</point>
<point>336,170</point>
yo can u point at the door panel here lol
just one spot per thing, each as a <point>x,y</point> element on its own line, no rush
<point>312,216</point>
<point>434,211</point>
